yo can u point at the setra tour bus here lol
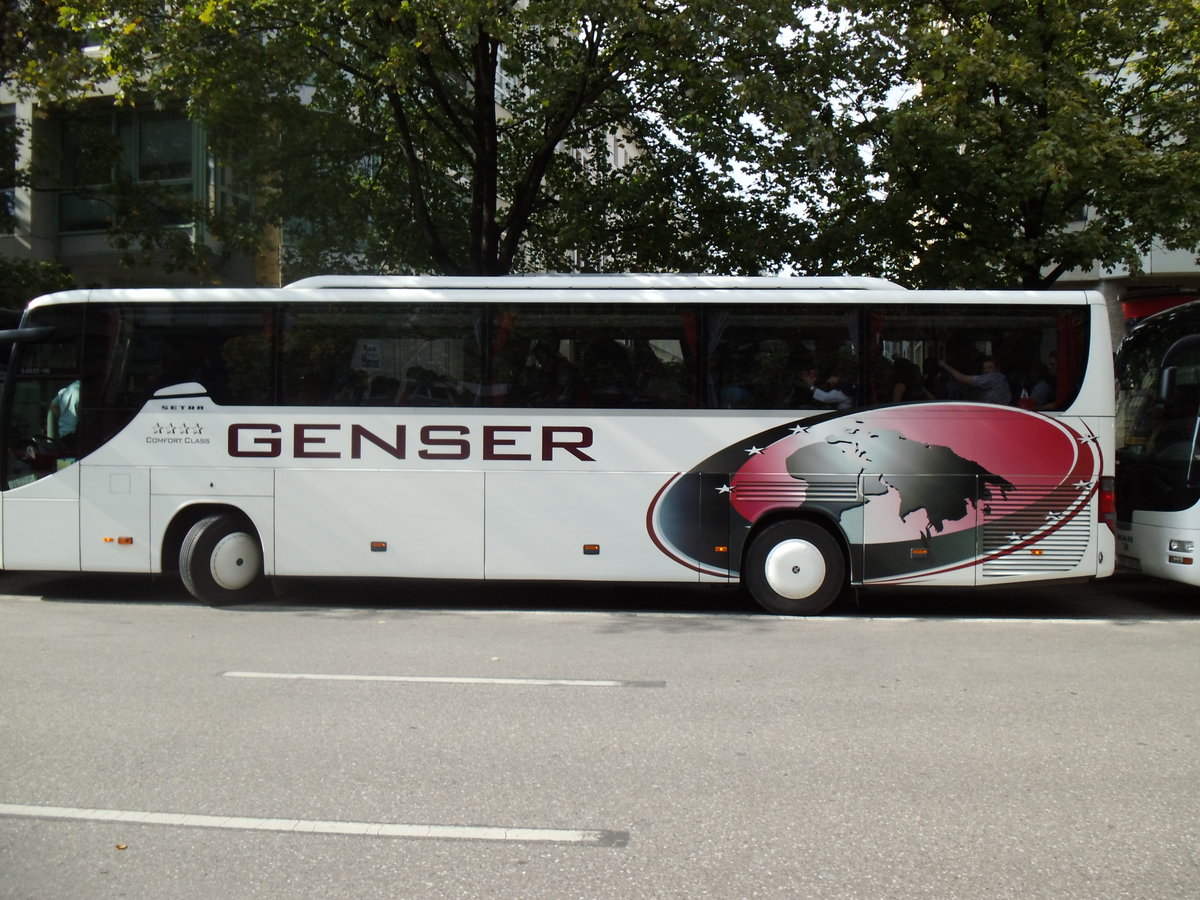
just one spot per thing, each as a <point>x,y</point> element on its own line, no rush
<point>801,436</point>
<point>1158,471</point>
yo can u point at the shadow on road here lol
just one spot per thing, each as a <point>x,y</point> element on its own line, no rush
<point>1124,597</point>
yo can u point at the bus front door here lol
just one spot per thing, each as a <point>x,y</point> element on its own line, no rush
<point>40,479</point>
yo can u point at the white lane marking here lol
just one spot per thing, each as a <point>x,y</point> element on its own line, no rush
<point>317,826</point>
<point>449,679</point>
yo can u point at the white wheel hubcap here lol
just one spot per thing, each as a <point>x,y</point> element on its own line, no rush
<point>795,569</point>
<point>235,561</point>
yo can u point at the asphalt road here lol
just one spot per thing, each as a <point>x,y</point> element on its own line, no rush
<point>467,740</point>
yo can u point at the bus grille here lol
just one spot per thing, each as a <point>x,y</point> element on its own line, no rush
<point>793,491</point>
<point>1012,521</point>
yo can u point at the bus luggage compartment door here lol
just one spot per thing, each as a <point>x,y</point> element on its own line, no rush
<point>920,528</point>
<point>576,526</point>
<point>379,523</point>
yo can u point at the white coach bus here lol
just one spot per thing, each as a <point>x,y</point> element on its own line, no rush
<point>804,436</point>
<point>1158,446</point>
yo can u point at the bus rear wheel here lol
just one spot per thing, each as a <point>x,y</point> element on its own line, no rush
<point>795,568</point>
<point>220,560</point>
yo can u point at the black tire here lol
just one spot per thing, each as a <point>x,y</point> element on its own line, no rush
<point>220,560</point>
<point>795,568</point>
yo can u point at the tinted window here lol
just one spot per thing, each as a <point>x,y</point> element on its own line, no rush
<point>226,348</point>
<point>346,354</point>
<point>600,356</point>
<point>1040,351</point>
<point>782,357</point>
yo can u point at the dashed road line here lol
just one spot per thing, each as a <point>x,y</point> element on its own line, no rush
<point>452,679</point>
<point>594,837</point>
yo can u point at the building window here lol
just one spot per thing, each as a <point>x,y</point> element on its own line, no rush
<point>9,134</point>
<point>129,164</point>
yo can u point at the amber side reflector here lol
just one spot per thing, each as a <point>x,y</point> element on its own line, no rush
<point>918,552</point>
<point>125,540</point>
<point>378,546</point>
<point>721,549</point>
<point>1037,552</point>
<point>591,549</point>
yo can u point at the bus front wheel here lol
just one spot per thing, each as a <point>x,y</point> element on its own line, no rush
<point>794,569</point>
<point>220,560</point>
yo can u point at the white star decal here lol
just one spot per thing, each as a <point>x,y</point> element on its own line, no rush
<point>754,451</point>
<point>724,489</point>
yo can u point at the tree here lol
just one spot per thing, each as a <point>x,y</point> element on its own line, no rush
<point>35,49</point>
<point>469,136</point>
<point>23,279</point>
<point>1006,143</point>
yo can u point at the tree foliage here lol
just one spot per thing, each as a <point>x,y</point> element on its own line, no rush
<point>1020,139</point>
<point>471,135</point>
<point>23,279</point>
<point>937,142</point>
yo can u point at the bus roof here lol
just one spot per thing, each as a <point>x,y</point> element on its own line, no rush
<point>633,289</point>
<point>577,281</point>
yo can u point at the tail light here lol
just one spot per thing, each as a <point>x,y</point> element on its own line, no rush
<point>1106,508</point>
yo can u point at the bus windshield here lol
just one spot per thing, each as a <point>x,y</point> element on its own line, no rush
<point>1157,428</point>
<point>1158,395</point>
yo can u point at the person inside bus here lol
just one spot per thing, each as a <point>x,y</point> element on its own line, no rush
<point>908,384</point>
<point>553,380</point>
<point>62,417</point>
<point>834,393</point>
<point>991,386</point>
<point>607,373</point>
<point>936,381</point>
<point>1037,391</point>
<point>808,387</point>
<point>1052,378</point>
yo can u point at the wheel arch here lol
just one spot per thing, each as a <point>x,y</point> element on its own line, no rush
<point>188,515</point>
<point>816,516</point>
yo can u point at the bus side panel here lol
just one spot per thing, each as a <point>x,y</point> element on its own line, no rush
<point>903,544</point>
<point>1146,545</point>
<point>379,523</point>
<point>41,524</point>
<point>576,526</point>
<point>114,519</point>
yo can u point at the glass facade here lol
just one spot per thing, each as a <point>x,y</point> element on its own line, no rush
<point>126,164</point>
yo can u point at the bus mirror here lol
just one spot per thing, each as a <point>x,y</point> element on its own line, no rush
<point>1166,383</point>
<point>27,335</point>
